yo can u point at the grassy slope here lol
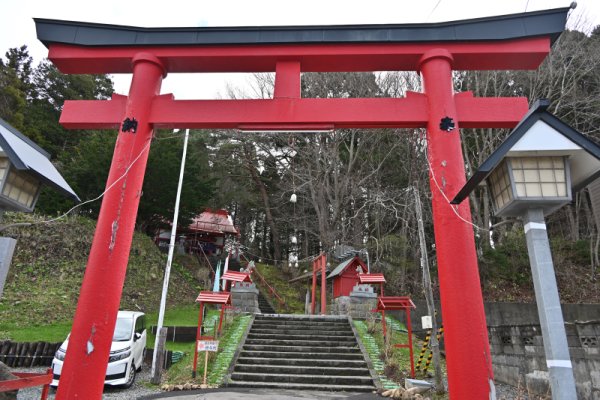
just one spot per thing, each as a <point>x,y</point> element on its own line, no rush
<point>47,269</point>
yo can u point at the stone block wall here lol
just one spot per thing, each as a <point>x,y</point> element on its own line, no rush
<point>244,297</point>
<point>358,305</point>
<point>517,348</point>
<point>518,356</point>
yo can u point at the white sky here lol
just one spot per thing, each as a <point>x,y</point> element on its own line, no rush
<point>17,27</point>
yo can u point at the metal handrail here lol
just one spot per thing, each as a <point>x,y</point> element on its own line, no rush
<point>212,271</point>
<point>272,291</point>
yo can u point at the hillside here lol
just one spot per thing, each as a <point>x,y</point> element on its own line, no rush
<point>48,266</point>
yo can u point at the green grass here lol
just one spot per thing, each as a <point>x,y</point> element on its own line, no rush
<point>54,333</point>
<point>186,315</point>
<point>47,269</point>
<point>371,336</point>
<point>182,315</point>
<point>293,294</point>
<point>218,363</point>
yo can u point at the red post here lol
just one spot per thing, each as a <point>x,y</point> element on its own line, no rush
<point>287,80</point>
<point>198,335</point>
<point>85,365</point>
<point>221,318</point>
<point>383,324</point>
<point>314,290</point>
<point>46,387</point>
<point>323,262</point>
<point>467,346</point>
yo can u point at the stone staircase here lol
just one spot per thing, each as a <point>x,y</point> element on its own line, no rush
<point>264,306</point>
<point>301,352</point>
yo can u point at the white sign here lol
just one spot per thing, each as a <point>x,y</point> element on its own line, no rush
<point>426,322</point>
<point>208,345</point>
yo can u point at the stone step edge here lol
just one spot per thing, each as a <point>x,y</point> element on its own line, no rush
<point>283,334</point>
<point>306,354</point>
<point>262,374</point>
<point>298,349</point>
<point>297,342</point>
<point>322,368</point>
<point>305,317</point>
<point>300,359</point>
<point>305,386</point>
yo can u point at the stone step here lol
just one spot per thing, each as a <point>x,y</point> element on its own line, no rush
<point>301,378</point>
<point>301,370</point>
<point>292,332</point>
<point>311,362</point>
<point>303,349</point>
<point>263,305</point>
<point>298,325</point>
<point>302,386</point>
<point>269,318</point>
<point>306,355</point>
<point>304,317</point>
<point>302,341</point>
<point>302,352</point>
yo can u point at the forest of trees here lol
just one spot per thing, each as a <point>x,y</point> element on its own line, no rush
<point>353,187</point>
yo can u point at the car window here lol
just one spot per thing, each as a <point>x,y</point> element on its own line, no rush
<point>123,330</point>
<point>140,324</point>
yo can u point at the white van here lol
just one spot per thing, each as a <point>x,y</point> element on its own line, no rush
<point>126,352</point>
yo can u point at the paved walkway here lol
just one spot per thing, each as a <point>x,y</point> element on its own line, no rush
<point>259,394</point>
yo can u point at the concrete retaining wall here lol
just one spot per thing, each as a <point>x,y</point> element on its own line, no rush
<point>517,346</point>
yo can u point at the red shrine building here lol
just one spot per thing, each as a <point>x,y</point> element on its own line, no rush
<point>345,276</point>
<point>207,233</point>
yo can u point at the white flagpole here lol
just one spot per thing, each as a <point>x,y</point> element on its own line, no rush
<point>163,298</point>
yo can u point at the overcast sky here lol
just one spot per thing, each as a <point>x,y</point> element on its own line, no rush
<point>17,27</point>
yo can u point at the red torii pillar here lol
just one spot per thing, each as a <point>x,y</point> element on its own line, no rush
<point>454,237</point>
<point>319,264</point>
<point>102,285</point>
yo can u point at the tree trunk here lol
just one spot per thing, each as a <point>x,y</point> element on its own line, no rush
<point>267,205</point>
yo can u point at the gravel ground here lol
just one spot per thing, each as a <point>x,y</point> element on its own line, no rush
<point>138,389</point>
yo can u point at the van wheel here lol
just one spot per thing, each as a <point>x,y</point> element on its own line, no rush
<point>131,376</point>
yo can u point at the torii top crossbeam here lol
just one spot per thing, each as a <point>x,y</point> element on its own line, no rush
<point>519,41</point>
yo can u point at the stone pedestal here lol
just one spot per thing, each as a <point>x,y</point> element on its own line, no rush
<point>358,305</point>
<point>7,248</point>
<point>244,297</point>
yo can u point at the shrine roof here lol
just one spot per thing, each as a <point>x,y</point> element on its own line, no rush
<point>341,267</point>
<point>211,221</point>
<point>546,23</point>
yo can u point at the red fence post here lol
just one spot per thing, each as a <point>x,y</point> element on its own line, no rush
<point>84,370</point>
<point>467,347</point>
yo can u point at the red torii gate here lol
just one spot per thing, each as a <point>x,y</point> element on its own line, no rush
<point>519,41</point>
<point>207,297</point>
<point>402,303</point>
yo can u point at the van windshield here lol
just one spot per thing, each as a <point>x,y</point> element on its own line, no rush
<point>123,329</point>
